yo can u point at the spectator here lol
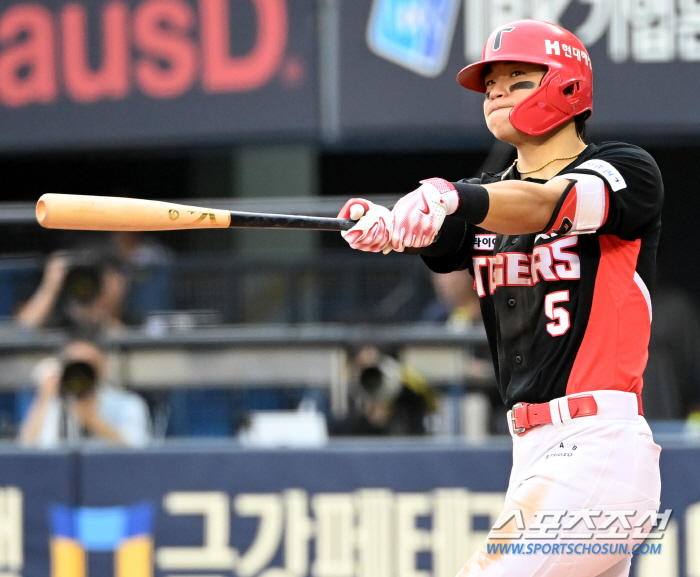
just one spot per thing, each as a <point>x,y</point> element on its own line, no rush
<point>390,399</point>
<point>74,402</point>
<point>457,303</point>
<point>79,289</point>
<point>146,265</point>
<point>136,249</point>
<point>101,289</point>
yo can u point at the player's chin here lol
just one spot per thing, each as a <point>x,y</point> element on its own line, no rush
<point>499,125</point>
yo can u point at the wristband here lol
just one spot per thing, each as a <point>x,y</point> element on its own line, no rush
<point>449,240</point>
<point>473,202</point>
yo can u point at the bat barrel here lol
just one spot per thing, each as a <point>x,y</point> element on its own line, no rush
<point>78,212</point>
<point>262,220</point>
<point>83,212</point>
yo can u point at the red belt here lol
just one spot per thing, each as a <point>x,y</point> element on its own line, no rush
<point>527,415</point>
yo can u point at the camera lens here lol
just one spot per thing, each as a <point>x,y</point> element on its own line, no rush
<point>83,284</point>
<point>78,379</point>
<point>371,379</point>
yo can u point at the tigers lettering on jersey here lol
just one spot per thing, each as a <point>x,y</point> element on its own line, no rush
<point>548,262</point>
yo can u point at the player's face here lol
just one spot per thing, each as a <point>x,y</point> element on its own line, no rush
<point>507,84</point>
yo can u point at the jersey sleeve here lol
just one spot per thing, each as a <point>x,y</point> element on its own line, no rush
<point>619,191</point>
<point>453,249</point>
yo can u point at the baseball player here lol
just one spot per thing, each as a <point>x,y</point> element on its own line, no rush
<point>562,246</point>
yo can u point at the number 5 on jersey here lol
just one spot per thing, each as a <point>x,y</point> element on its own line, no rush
<point>560,316</point>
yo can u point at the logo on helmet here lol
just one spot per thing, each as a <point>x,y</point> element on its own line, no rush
<point>552,47</point>
<point>499,35</point>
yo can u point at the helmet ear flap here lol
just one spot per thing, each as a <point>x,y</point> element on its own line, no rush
<point>571,90</point>
<point>547,107</point>
<point>564,94</point>
<point>538,114</point>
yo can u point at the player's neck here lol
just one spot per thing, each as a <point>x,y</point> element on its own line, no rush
<point>536,154</point>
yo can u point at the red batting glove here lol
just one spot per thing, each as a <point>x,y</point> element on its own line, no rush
<point>419,215</point>
<point>372,232</point>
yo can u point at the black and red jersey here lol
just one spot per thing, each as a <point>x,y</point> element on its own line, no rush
<point>569,309</point>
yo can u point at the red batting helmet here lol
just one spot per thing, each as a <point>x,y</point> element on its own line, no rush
<point>569,69</point>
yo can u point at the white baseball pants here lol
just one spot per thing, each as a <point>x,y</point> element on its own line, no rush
<point>607,462</point>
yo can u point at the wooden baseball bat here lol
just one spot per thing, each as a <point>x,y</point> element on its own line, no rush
<point>78,212</point>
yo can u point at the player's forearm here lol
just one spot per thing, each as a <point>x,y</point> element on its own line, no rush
<point>512,207</point>
<point>517,207</point>
<point>37,309</point>
<point>30,428</point>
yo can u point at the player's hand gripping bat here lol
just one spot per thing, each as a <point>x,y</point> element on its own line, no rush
<point>76,212</point>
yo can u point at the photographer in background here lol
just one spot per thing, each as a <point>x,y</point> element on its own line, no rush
<point>73,402</point>
<point>80,289</point>
<point>389,398</point>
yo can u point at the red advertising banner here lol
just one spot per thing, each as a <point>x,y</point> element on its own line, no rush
<point>84,73</point>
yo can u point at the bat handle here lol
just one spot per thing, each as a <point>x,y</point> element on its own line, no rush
<point>263,220</point>
<point>345,223</point>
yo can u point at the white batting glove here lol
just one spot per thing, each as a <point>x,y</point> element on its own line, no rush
<point>372,233</point>
<point>419,215</point>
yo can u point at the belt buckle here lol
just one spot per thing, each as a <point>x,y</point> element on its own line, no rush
<point>520,430</point>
